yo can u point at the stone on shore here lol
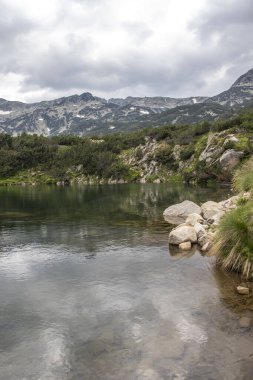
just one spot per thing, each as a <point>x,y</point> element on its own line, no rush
<point>231,203</point>
<point>178,213</point>
<point>242,290</point>
<point>206,246</point>
<point>181,234</point>
<point>194,218</point>
<point>210,208</point>
<point>186,246</point>
<point>217,218</point>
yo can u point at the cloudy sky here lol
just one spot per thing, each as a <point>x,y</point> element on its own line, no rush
<point>112,48</point>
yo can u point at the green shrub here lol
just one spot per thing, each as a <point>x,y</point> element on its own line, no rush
<point>234,240</point>
<point>242,201</point>
<point>187,152</point>
<point>164,156</point>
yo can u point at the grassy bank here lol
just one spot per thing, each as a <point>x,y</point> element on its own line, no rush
<point>234,237</point>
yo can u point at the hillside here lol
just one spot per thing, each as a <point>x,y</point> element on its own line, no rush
<point>200,152</point>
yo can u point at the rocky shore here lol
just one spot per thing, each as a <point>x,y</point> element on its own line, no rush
<point>196,224</point>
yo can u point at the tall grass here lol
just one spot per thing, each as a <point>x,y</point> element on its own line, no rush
<point>243,178</point>
<point>233,244</point>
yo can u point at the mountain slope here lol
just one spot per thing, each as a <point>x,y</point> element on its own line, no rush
<point>87,114</point>
<point>239,94</point>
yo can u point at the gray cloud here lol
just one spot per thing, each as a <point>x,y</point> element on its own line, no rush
<point>231,23</point>
<point>86,46</point>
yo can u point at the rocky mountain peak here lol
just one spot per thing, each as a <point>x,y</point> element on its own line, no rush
<point>245,80</point>
<point>86,96</point>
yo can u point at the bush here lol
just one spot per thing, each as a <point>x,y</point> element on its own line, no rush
<point>187,152</point>
<point>164,155</point>
<point>234,240</point>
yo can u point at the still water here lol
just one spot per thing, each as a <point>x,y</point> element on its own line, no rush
<point>90,290</point>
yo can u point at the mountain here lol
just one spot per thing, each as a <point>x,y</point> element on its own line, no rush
<point>240,93</point>
<point>87,114</point>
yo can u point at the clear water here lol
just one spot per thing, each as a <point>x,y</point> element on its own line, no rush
<point>90,290</point>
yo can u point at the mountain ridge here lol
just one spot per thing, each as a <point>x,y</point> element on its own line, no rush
<point>88,114</point>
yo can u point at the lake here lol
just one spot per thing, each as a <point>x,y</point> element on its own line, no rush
<point>90,289</point>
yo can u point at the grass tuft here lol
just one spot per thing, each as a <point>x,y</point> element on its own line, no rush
<point>243,178</point>
<point>234,240</point>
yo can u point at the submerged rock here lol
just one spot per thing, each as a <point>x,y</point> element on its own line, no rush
<point>178,213</point>
<point>242,290</point>
<point>183,233</point>
<point>186,246</point>
<point>245,321</point>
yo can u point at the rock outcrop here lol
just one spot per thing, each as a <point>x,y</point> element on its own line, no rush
<point>230,159</point>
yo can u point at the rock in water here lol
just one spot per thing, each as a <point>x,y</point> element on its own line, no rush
<point>178,213</point>
<point>186,246</point>
<point>181,234</point>
<point>242,290</point>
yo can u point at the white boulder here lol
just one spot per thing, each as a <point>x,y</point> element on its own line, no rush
<point>178,213</point>
<point>186,246</point>
<point>210,208</point>
<point>181,234</point>
<point>194,218</point>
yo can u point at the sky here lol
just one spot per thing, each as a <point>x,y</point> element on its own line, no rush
<point>119,48</point>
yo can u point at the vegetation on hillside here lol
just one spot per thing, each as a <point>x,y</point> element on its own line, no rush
<point>124,156</point>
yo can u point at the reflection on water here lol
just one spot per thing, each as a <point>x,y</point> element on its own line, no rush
<point>90,291</point>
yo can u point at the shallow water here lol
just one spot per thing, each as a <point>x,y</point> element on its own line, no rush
<point>90,290</point>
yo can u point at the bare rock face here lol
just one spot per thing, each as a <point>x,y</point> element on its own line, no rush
<point>181,234</point>
<point>212,150</point>
<point>210,208</point>
<point>229,159</point>
<point>178,213</point>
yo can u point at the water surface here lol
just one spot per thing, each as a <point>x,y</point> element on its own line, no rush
<point>90,290</point>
